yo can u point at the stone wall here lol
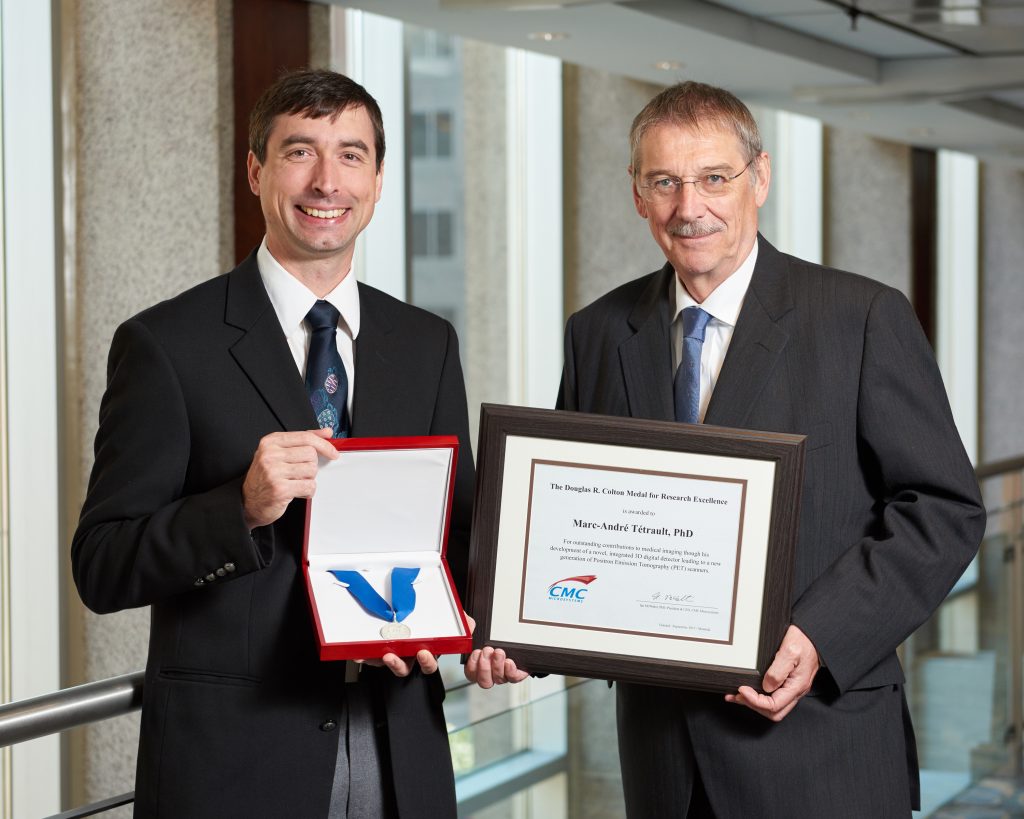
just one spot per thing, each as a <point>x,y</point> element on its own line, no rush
<point>149,85</point>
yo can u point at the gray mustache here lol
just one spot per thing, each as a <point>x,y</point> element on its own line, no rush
<point>693,230</point>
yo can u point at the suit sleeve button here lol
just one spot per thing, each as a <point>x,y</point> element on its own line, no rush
<point>328,725</point>
<point>199,582</point>
<point>229,567</point>
<point>220,572</point>
<point>211,577</point>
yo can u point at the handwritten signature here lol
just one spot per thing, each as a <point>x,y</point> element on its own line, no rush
<point>671,597</point>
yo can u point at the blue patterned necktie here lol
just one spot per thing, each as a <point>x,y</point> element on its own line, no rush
<point>687,385</point>
<point>326,381</point>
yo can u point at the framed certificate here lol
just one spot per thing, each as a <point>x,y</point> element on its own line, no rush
<point>626,549</point>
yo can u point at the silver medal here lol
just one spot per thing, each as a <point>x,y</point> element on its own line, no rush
<point>395,631</point>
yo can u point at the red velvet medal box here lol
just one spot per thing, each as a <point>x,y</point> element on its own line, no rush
<point>385,503</point>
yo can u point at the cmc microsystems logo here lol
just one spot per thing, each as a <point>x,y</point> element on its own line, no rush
<point>571,589</point>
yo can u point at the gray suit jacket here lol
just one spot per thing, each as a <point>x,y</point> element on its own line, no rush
<point>240,716</point>
<point>891,513</point>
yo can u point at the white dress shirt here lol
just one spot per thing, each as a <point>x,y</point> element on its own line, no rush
<point>292,300</point>
<point>724,305</point>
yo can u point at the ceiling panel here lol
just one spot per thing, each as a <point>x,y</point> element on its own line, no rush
<point>878,79</point>
<point>887,6</point>
<point>1011,97</point>
<point>869,36</point>
<point>759,8</point>
<point>994,31</point>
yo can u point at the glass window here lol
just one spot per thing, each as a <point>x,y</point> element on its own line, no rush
<point>420,241</point>
<point>438,171</point>
<point>426,44</point>
<point>456,193</point>
<point>432,235</point>
<point>443,134</point>
<point>457,190</point>
<point>416,40</point>
<point>432,134</point>
<point>419,135</point>
<point>444,233</point>
<point>442,44</point>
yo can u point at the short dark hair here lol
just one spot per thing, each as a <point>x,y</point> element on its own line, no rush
<point>313,93</point>
<point>696,105</point>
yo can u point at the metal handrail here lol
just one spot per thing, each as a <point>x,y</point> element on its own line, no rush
<point>70,707</point>
<point>991,470</point>
<point>82,704</point>
<point>94,808</point>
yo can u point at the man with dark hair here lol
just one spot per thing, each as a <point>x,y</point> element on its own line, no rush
<point>732,332</point>
<point>207,447</point>
<point>315,95</point>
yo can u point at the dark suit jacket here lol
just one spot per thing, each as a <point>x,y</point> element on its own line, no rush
<point>238,710</point>
<point>891,513</point>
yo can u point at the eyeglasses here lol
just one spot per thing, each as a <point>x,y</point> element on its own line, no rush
<point>663,188</point>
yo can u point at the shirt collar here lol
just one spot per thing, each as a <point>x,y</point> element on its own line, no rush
<point>292,300</point>
<point>725,301</point>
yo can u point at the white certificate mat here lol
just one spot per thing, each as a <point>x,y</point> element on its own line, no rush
<point>660,551</point>
<point>634,551</point>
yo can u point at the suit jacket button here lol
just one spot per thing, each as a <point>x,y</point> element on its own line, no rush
<point>220,572</point>
<point>328,725</point>
<point>229,567</point>
<point>211,577</point>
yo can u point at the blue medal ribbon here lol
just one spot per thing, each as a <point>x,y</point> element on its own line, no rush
<point>403,595</point>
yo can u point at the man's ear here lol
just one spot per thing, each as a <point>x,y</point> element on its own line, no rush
<point>764,178</point>
<point>638,200</point>
<point>253,168</point>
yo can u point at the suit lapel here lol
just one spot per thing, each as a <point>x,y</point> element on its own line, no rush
<point>262,351</point>
<point>378,363</point>
<point>757,341</point>
<point>646,356</point>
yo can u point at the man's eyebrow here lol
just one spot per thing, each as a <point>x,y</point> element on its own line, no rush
<point>303,139</point>
<point>717,168</point>
<point>296,139</point>
<point>657,172</point>
<point>354,143</point>
<point>703,171</point>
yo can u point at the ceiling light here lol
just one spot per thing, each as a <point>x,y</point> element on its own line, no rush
<point>548,36</point>
<point>669,65</point>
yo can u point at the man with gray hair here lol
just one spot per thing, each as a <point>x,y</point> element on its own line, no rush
<point>734,333</point>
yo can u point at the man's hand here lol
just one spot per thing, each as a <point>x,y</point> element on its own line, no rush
<point>489,666</point>
<point>403,666</point>
<point>283,468</point>
<point>787,679</point>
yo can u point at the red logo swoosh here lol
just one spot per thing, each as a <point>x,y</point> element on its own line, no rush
<point>585,579</point>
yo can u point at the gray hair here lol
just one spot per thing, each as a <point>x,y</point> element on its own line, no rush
<point>696,105</point>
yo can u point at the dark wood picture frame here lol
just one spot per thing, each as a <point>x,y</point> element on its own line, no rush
<point>498,422</point>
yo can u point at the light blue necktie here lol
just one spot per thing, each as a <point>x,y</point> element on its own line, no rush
<point>687,385</point>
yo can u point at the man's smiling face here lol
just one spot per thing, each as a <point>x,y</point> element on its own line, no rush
<point>317,187</point>
<point>705,238</point>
